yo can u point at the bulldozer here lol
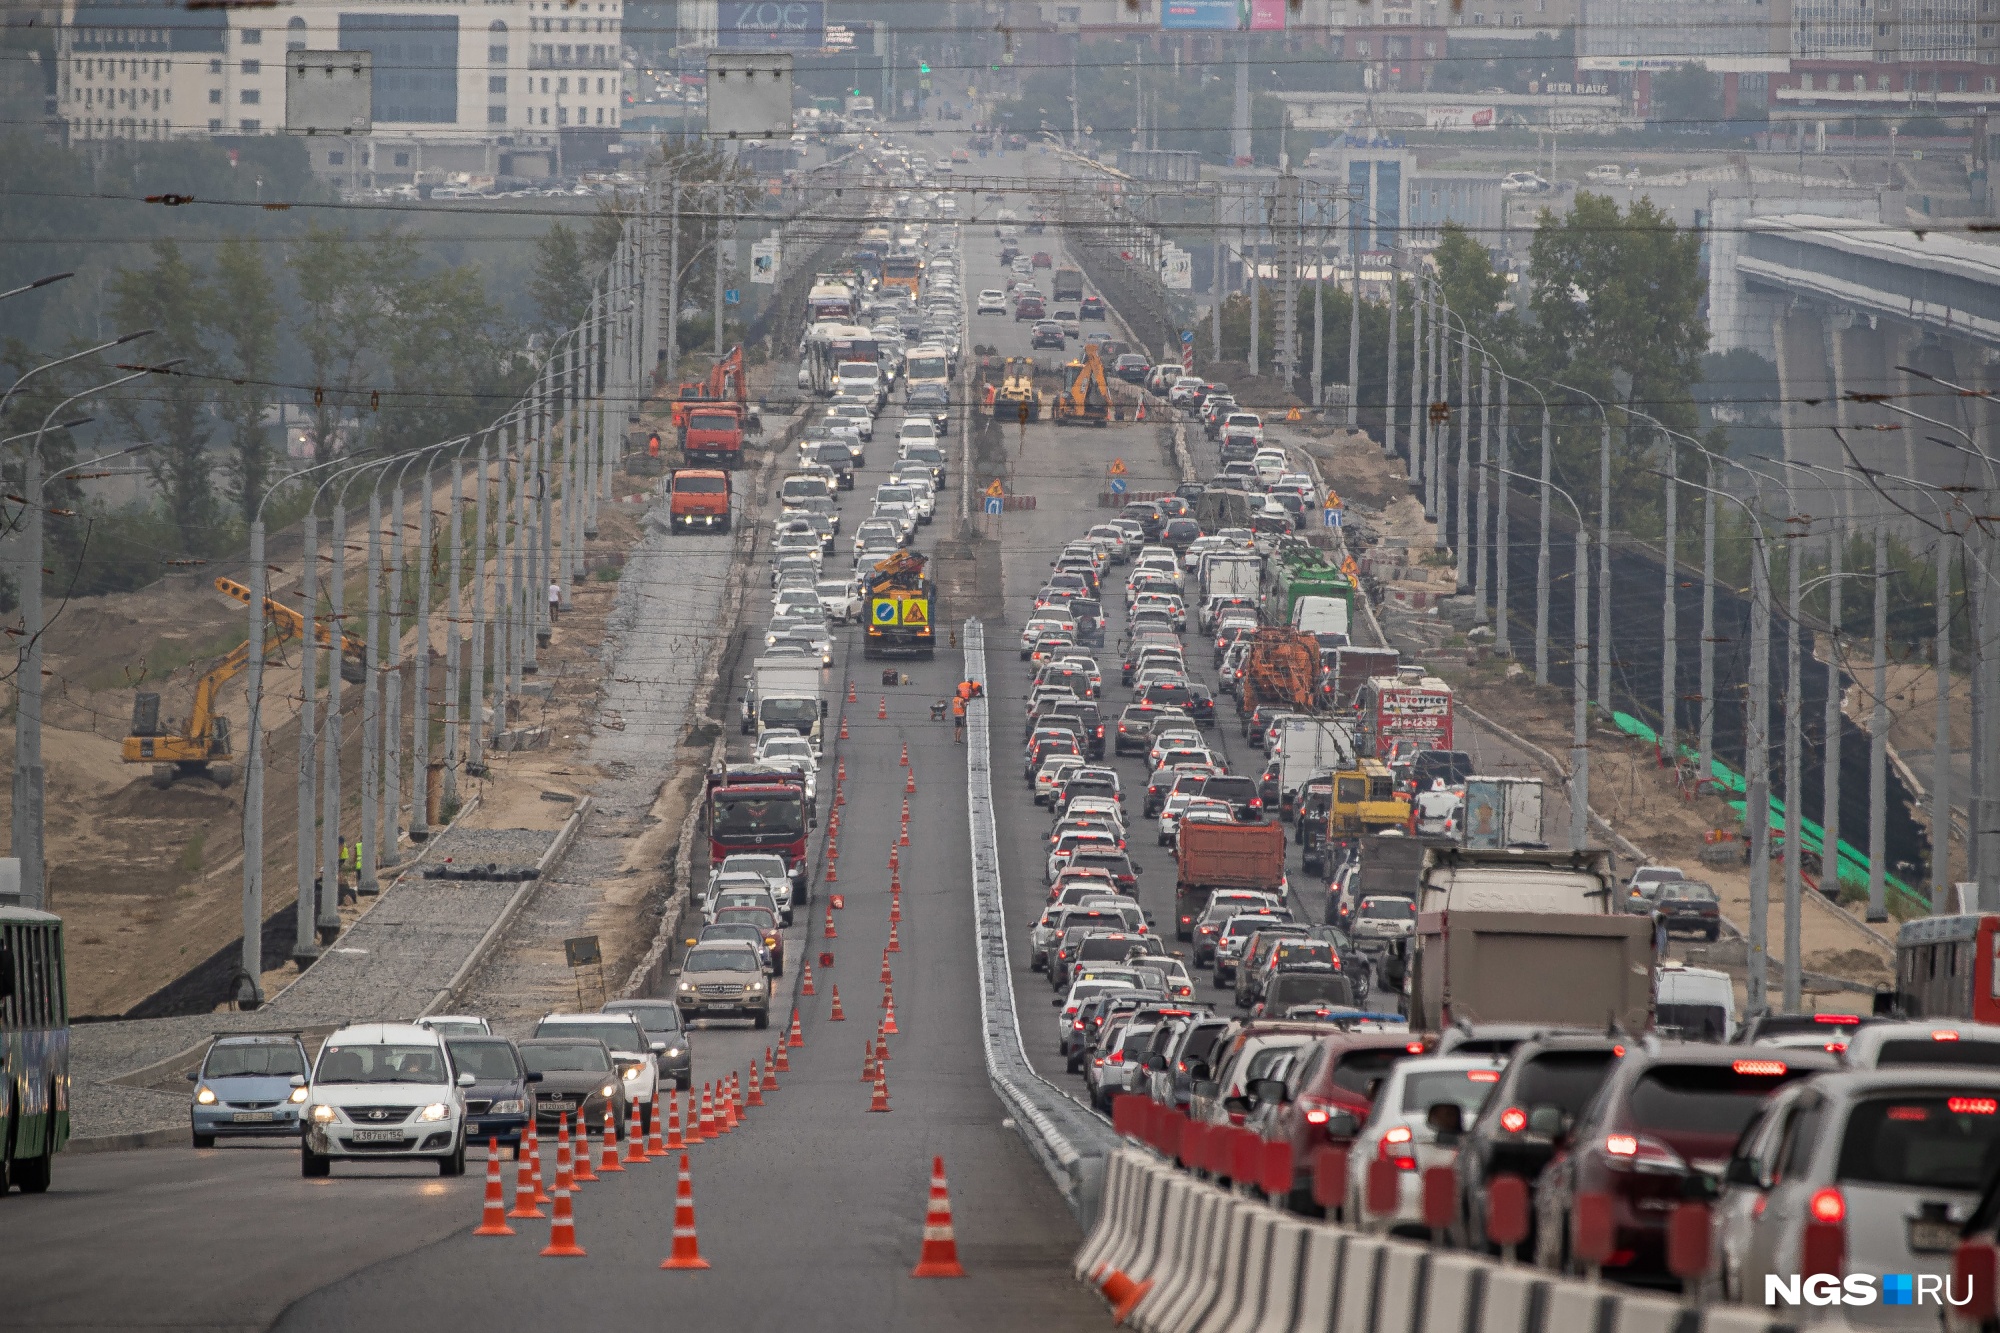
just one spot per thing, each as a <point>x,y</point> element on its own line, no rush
<point>202,747</point>
<point>1085,399</point>
<point>1017,390</point>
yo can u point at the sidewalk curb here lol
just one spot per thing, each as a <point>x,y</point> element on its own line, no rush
<point>145,1138</point>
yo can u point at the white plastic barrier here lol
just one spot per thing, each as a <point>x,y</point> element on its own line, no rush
<point>1400,1296</point>
<point>1453,1286</point>
<point>1579,1305</point>
<point>1360,1278</point>
<point>1513,1296</point>
<point>1284,1277</point>
<point>1177,1193</point>
<point>1111,1218</point>
<point>1225,1261</point>
<point>1319,1284</point>
<point>1243,1295</point>
<point>1183,1272</point>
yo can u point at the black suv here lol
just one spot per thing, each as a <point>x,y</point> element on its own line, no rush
<point>1244,800</point>
<point>1087,715</point>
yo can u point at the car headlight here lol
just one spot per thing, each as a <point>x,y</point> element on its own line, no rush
<point>512,1106</point>
<point>299,1094</point>
<point>435,1111</point>
<point>631,1072</point>
<point>754,987</point>
<point>323,1114</point>
<point>687,987</point>
<point>609,1089</point>
<point>673,1052</point>
<point>205,1095</point>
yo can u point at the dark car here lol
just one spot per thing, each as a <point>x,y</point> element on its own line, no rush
<point>837,457</point>
<point>252,1086</point>
<point>496,1105</point>
<point>662,1021</point>
<point>1545,1086</point>
<point>1089,718</point>
<point>1316,986</point>
<point>1180,533</point>
<point>1123,873</point>
<point>1132,368</point>
<point>1093,307</point>
<point>1090,782</point>
<point>1689,906</point>
<point>1046,333</point>
<point>1148,515</point>
<point>1030,307</point>
<point>766,922</point>
<point>578,1079</point>
<point>1658,1132</point>
<point>1327,1096</point>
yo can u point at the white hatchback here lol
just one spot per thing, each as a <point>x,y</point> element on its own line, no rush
<point>992,301</point>
<point>384,1091</point>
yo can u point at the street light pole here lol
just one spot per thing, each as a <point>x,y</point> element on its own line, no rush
<point>1603,546</point>
<point>1579,746</point>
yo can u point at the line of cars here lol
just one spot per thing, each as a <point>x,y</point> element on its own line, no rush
<point>426,1090</point>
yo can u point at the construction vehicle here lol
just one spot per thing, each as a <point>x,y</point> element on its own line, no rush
<point>902,603</point>
<point>1017,391</point>
<point>1297,571</point>
<point>1085,399</point>
<point>726,382</point>
<point>1281,670</point>
<point>202,748</point>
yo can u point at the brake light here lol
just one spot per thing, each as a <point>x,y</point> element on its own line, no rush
<point>1835,1047</point>
<point>1763,1068</point>
<point>1622,1145</point>
<point>1118,1057</point>
<point>1829,1206</point>
<point>1414,1048</point>
<point>1513,1120</point>
<point>1845,1019</point>
<point>1944,1035</point>
<point>1908,1113</point>
<point>1483,1075</point>
<point>1972,1105</point>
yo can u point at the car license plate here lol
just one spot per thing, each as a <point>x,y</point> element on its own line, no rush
<point>1927,1237</point>
<point>252,1117</point>
<point>377,1135</point>
<point>557,1104</point>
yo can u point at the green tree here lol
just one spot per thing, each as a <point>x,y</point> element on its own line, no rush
<point>1471,288</point>
<point>244,314</point>
<point>343,309</point>
<point>174,411</point>
<point>445,345</point>
<point>561,285</point>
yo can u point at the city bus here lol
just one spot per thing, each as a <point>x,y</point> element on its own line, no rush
<point>905,271</point>
<point>34,1048</point>
<point>1945,967</point>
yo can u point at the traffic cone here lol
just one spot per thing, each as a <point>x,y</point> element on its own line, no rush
<point>868,1062</point>
<point>687,1250</point>
<point>850,691</point>
<point>903,836</point>
<point>906,809</point>
<point>840,773</point>
<point>838,1015</point>
<point>736,1107</point>
<point>883,710</point>
<point>893,861</point>
<point>784,1058</point>
<point>839,797</point>
<point>895,884</point>
<point>674,1141</point>
<point>895,945</point>
<point>881,1049</point>
<point>910,782</point>
<point>1142,412</point>
<point>562,1233</point>
<point>832,845</point>
<point>493,1217</point>
<point>610,1164</point>
<point>524,1191</point>
<point>581,1174</point>
<point>756,1085</point>
<point>637,1147</point>
<point>725,1117</point>
<point>701,1129</point>
<point>843,726</point>
<point>895,908</point>
<point>906,754</point>
<point>770,1072</point>
<point>889,1021</point>
<point>885,967</point>
<point>880,1102</point>
<point>806,982</point>
<point>565,1174</point>
<point>797,1036</point>
<point>832,876</point>
<point>939,1257</point>
<point>1123,1293</point>
<point>535,1158</point>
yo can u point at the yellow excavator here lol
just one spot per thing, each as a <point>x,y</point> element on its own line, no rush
<point>202,747</point>
<point>1085,399</point>
<point>1017,390</point>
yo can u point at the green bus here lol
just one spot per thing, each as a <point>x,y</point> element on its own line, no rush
<point>34,1048</point>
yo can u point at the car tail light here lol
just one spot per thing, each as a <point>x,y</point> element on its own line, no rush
<point>1828,1206</point>
<point>1639,1152</point>
<point>1394,1148</point>
<point>1414,1048</point>
<point>1944,1034</point>
<point>1762,1068</point>
<point>1846,1020</point>
<point>1513,1120</point>
<point>1483,1075</point>
<point>1972,1105</point>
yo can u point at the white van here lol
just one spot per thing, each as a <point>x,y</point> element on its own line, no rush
<point>1699,1002</point>
<point>861,379</point>
<point>1321,615</point>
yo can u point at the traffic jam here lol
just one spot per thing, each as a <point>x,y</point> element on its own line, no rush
<point>1431,1024</point>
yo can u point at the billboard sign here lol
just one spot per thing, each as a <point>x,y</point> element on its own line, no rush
<point>749,96</point>
<point>766,261</point>
<point>771,25</point>
<point>329,92</point>
<point>1205,15</point>
<point>1177,269</point>
<point>1459,118</point>
<point>1267,15</point>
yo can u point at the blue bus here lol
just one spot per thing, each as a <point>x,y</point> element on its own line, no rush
<point>34,1048</point>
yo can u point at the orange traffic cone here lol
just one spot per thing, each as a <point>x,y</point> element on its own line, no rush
<point>637,1149</point>
<point>806,986</point>
<point>895,945</point>
<point>702,1128</point>
<point>893,862</point>
<point>565,1174</point>
<point>784,1058</point>
<point>903,835</point>
<point>535,1162</point>
<point>562,1233</point>
<point>837,1016</point>
<point>850,691</point>
<point>840,773</point>
<point>889,1021</point>
<point>832,875</point>
<point>883,710</point>
<point>910,782</point>
<point>880,1102</point>
<point>831,933</point>
<point>493,1217</point>
<point>674,1141</point>
<point>895,883</point>
<point>580,1153</point>
<point>1141,414</point>
<point>886,978</point>
<point>906,754</point>
<point>843,726</point>
<point>832,845</point>
<point>839,796</point>
<point>1123,1293</point>
<point>797,1036</point>
<point>524,1191</point>
<point>868,1062</point>
<point>881,1049</point>
<point>609,1164</point>
<point>725,1118</point>
<point>770,1072</point>
<point>906,810</point>
<point>736,1116</point>
<point>756,1097</point>
<point>939,1257</point>
<point>687,1250</point>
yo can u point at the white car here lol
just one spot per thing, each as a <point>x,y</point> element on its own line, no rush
<point>772,869</point>
<point>633,1054</point>
<point>838,599</point>
<point>1415,1122</point>
<point>992,301</point>
<point>1524,182</point>
<point>384,1091</point>
<point>863,419</point>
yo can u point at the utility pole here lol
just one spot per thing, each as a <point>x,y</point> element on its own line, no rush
<point>330,741</point>
<point>1579,744</point>
<point>253,777</point>
<point>1389,389</point>
<point>1284,233</point>
<point>1419,386</point>
<point>1604,563</point>
<point>371,705</point>
<point>1878,737</point>
<point>1706,722</point>
<point>475,759</point>
<point>305,943</point>
<point>420,694</point>
<point>392,681</point>
<point>1542,566</point>
<point>452,631</point>
<point>1482,552</point>
<point>1757,774</point>
<point>1502,491</point>
<point>673,290</point>
<point>1354,336</point>
<point>1829,781</point>
<point>1461,532</point>
<point>1941,892</point>
<point>1670,613</point>
<point>1794,775</point>
<point>1252,240</point>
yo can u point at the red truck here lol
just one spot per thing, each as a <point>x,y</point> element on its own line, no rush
<point>753,808</point>
<point>1403,713</point>
<point>1224,856</point>
<point>698,498</point>
<point>711,433</point>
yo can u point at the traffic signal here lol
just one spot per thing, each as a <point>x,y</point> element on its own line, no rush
<point>923,67</point>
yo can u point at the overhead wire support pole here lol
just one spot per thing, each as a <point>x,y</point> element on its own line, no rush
<point>1603,545</point>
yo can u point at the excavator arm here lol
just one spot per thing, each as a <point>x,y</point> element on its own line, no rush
<point>294,623</point>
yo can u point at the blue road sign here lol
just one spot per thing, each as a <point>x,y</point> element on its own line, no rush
<point>1118,485</point>
<point>732,296</point>
<point>1332,517</point>
<point>994,504</point>
<point>1187,336</point>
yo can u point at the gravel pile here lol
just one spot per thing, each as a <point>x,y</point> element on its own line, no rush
<point>504,849</point>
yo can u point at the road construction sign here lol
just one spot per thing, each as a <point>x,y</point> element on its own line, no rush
<point>910,612</point>
<point>1295,415</point>
<point>1331,516</point>
<point>996,488</point>
<point>1118,485</point>
<point>1117,467</point>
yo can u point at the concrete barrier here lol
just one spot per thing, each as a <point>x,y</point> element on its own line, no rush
<point>1162,1310</point>
<point>1399,1302</point>
<point>1176,1194</point>
<point>1247,1294</point>
<point>1142,1192</point>
<point>1320,1282</point>
<point>1284,1277</point>
<point>1360,1286</point>
<point>1453,1289</point>
<point>1118,1177</point>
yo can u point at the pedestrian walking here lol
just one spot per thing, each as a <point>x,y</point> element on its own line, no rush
<point>555,600</point>
<point>958,719</point>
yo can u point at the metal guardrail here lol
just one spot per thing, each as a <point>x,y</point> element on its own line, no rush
<point>1073,1144</point>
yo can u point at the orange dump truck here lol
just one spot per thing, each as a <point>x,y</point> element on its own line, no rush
<point>698,498</point>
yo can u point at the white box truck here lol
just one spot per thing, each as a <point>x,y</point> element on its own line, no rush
<point>1321,616</point>
<point>1503,812</point>
<point>783,692</point>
